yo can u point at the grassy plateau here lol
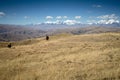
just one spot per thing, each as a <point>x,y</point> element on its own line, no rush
<point>63,57</point>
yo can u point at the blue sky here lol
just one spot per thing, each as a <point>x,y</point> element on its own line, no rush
<point>56,11</point>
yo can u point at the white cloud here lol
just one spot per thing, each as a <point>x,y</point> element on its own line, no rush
<point>26,17</point>
<point>48,22</point>
<point>53,22</point>
<point>2,14</point>
<point>59,17</point>
<point>67,22</point>
<point>77,17</point>
<point>65,17</point>
<point>71,22</point>
<point>97,6</point>
<point>112,16</point>
<point>58,22</point>
<point>92,21</point>
<point>103,21</point>
<point>108,21</point>
<point>49,17</point>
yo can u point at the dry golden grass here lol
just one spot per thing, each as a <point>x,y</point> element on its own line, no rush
<point>63,57</point>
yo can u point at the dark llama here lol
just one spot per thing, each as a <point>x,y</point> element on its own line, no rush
<point>9,45</point>
<point>47,37</point>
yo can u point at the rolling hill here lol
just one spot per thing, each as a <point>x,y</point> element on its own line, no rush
<point>22,32</point>
<point>17,32</point>
<point>63,57</point>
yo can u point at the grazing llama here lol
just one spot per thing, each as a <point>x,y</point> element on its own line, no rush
<point>47,37</point>
<point>9,45</point>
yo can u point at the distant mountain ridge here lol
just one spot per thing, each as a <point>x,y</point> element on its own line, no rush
<point>47,26</point>
<point>16,33</point>
<point>21,32</point>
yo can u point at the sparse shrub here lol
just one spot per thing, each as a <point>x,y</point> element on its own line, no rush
<point>117,38</point>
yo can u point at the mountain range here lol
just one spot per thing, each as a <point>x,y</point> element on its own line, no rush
<point>22,32</point>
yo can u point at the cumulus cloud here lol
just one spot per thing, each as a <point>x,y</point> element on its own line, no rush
<point>71,22</point>
<point>65,17</point>
<point>58,22</point>
<point>67,22</point>
<point>48,22</point>
<point>110,21</point>
<point>92,21</point>
<point>104,19</point>
<point>53,22</point>
<point>26,17</point>
<point>49,17</point>
<point>112,16</point>
<point>59,17</point>
<point>77,17</point>
<point>2,14</point>
<point>97,6</point>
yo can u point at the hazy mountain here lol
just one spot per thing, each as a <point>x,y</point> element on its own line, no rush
<point>49,26</point>
<point>21,32</point>
<point>17,32</point>
<point>91,29</point>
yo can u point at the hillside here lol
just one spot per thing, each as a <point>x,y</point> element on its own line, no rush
<point>17,32</point>
<point>63,57</point>
<point>94,29</point>
<point>23,32</point>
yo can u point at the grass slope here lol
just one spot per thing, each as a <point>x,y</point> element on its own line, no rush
<point>63,57</point>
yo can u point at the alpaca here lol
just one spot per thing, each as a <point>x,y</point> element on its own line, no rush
<point>47,37</point>
<point>9,45</point>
